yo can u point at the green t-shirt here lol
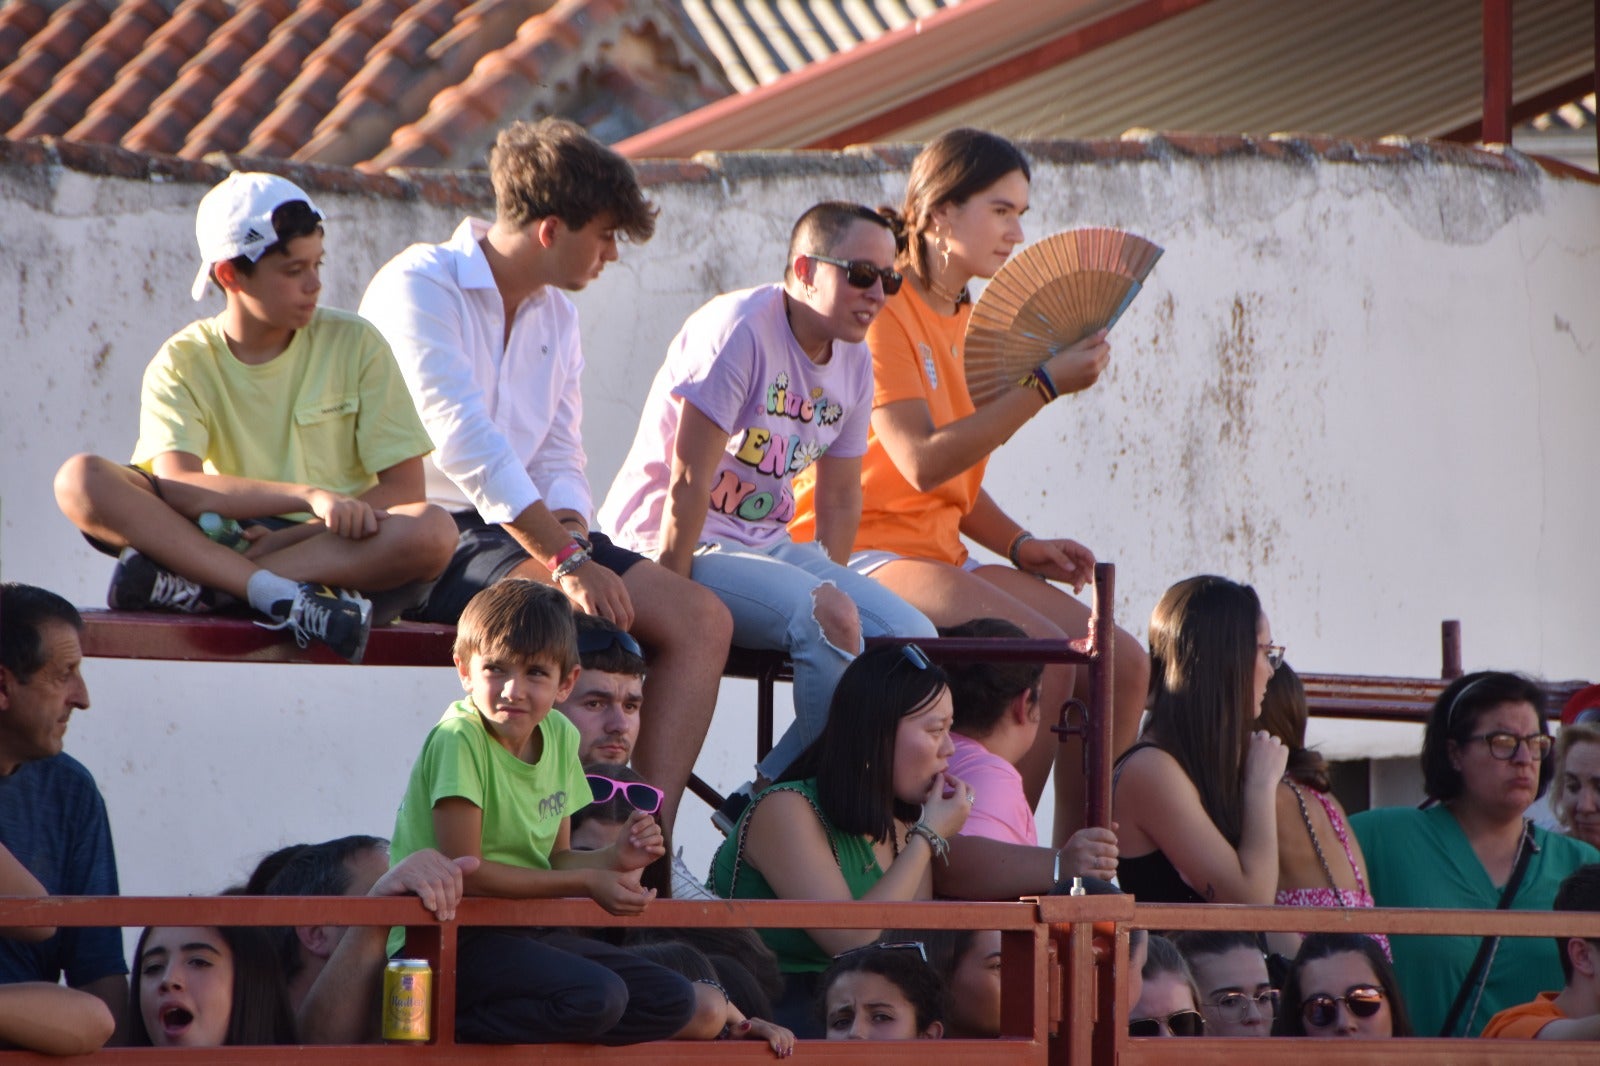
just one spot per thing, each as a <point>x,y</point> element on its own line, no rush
<point>523,804</point>
<point>1423,859</point>
<point>331,410</point>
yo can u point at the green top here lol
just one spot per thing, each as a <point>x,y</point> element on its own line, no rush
<point>523,803</point>
<point>1423,859</point>
<point>734,878</point>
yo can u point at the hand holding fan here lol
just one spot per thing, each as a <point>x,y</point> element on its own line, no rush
<point>1055,293</point>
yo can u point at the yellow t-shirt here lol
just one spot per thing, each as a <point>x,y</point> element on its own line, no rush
<point>331,410</point>
<point>916,355</point>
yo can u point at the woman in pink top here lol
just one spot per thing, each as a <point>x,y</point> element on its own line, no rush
<point>1319,860</point>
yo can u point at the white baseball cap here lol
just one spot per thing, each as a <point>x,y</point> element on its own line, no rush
<point>235,219</point>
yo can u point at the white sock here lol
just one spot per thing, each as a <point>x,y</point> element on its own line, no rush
<point>271,594</point>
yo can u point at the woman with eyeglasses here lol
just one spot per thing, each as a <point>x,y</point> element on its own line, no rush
<point>1319,861</point>
<point>1341,985</point>
<point>758,386</point>
<point>922,478</point>
<point>1575,799</point>
<point>1169,1002</point>
<point>863,814</point>
<point>1484,761</point>
<point>1196,798</point>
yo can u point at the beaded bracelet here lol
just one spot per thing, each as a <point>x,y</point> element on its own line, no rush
<point>1016,546</point>
<point>572,561</point>
<point>564,554</point>
<point>940,846</point>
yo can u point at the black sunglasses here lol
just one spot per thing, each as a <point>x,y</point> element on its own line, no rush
<point>596,640</point>
<point>899,945</point>
<point>1178,1023</point>
<point>640,796</point>
<point>1322,1010</point>
<point>861,274</point>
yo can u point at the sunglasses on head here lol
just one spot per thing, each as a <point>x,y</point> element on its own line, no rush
<point>1322,1010</point>
<point>596,640</point>
<point>1178,1023</point>
<point>899,945</point>
<point>915,656</point>
<point>639,796</point>
<point>1587,716</point>
<point>861,274</point>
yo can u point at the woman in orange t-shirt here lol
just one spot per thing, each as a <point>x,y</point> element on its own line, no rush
<point>922,477</point>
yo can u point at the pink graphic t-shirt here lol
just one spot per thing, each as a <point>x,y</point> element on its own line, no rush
<point>738,363</point>
<point>1001,811</point>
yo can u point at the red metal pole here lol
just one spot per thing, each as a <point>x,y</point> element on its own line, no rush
<point>1496,72</point>
<point>1097,730</point>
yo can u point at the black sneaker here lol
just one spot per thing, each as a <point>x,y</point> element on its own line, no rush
<point>139,583</point>
<point>338,618</point>
<point>726,816</point>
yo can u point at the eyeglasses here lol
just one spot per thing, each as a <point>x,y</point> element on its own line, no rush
<point>861,274</point>
<point>1322,1010</point>
<point>899,945</point>
<point>1274,654</point>
<point>640,796</point>
<point>591,641</point>
<point>1235,1006</point>
<point>1504,745</point>
<point>1178,1023</point>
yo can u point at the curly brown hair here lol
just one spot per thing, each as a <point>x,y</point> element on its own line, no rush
<point>553,168</point>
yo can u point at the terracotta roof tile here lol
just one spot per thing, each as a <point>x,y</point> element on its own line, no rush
<point>52,48</point>
<point>461,120</point>
<point>255,92</point>
<point>401,77</point>
<point>19,21</point>
<point>187,100</point>
<point>157,67</point>
<point>94,70</point>
<point>315,90</point>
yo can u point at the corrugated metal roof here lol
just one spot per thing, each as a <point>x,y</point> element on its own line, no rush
<point>759,41</point>
<point>1353,68</point>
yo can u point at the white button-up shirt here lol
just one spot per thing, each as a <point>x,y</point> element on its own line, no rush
<point>505,415</point>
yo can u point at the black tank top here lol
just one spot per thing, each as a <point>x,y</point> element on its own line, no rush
<point>1151,878</point>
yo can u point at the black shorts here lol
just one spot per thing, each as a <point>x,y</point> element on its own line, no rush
<point>484,554</point>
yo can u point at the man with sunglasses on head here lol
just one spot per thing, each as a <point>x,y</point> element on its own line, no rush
<point>605,702</point>
<point>758,386</point>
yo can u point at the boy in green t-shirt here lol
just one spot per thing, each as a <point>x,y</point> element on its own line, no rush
<point>498,778</point>
<point>274,411</point>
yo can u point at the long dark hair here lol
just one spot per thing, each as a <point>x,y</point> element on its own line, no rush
<point>1283,714</point>
<point>853,759</point>
<point>951,169</point>
<point>1320,946</point>
<point>261,1013</point>
<point>1203,650</point>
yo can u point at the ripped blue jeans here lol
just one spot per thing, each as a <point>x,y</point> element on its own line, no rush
<point>769,591</point>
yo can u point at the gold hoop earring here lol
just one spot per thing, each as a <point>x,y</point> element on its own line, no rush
<point>942,246</point>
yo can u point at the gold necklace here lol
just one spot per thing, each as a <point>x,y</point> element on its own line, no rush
<point>940,292</point>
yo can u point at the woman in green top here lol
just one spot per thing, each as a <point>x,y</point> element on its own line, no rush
<point>1484,760</point>
<point>862,814</point>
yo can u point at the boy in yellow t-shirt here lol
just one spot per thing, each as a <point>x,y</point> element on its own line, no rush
<point>283,426</point>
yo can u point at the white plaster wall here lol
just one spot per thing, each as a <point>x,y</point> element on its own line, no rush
<point>1366,389</point>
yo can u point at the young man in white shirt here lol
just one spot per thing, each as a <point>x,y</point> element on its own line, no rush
<point>488,344</point>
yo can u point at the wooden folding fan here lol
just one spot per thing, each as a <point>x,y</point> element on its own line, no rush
<point>1056,292</point>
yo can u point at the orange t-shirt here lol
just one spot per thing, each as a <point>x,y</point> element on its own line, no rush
<point>1524,1021</point>
<point>916,355</point>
